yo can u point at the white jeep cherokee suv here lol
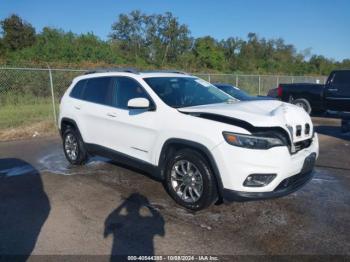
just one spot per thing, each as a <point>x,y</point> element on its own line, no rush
<point>204,144</point>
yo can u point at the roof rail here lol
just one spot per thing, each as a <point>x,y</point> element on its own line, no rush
<point>165,71</point>
<point>113,69</point>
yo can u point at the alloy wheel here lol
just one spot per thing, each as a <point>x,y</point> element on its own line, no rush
<point>71,147</point>
<point>187,181</point>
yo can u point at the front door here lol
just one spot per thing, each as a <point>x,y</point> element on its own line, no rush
<point>131,131</point>
<point>337,91</point>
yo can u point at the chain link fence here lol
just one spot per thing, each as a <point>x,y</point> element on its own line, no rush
<point>29,97</point>
<point>260,84</point>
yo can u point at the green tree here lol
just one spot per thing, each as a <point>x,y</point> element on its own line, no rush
<point>2,47</point>
<point>130,31</point>
<point>208,53</point>
<point>321,65</point>
<point>158,38</point>
<point>55,45</point>
<point>167,39</point>
<point>17,33</point>
<point>231,47</point>
<point>345,64</point>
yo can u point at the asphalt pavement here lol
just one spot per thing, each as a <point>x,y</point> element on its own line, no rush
<point>48,207</point>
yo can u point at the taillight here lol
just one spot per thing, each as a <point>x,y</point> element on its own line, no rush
<point>279,91</point>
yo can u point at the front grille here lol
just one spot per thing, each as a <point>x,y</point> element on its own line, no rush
<point>294,181</point>
<point>302,144</point>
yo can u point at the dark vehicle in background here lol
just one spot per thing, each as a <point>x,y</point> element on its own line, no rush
<point>238,93</point>
<point>334,95</point>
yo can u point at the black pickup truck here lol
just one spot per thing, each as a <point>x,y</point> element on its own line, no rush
<point>334,95</point>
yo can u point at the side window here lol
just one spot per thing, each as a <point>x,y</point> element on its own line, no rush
<point>97,90</point>
<point>126,89</point>
<point>77,90</point>
<point>342,77</point>
<point>226,89</point>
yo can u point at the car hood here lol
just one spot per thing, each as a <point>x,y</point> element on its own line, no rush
<point>259,113</point>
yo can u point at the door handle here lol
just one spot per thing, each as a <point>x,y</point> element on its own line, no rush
<point>111,115</point>
<point>77,107</point>
<point>332,89</point>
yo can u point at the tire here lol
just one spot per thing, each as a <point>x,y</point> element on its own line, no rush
<point>73,147</point>
<point>188,162</point>
<point>303,103</point>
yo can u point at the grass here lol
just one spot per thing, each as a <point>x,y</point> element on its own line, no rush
<point>12,116</point>
<point>23,120</point>
<point>37,129</point>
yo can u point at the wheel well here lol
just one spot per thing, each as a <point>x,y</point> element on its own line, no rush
<point>301,98</point>
<point>298,97</point>
<point>171,147</point>
<point>174,147</point>
<point>66,123</point>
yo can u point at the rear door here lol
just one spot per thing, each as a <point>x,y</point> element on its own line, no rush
<point>94,110</point>
<point>337,91</point>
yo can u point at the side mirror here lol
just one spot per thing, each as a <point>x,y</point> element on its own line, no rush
<point>138,103</point>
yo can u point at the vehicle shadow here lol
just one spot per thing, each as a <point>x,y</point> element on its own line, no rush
<point>133,226</point>
<point>24,207</point>
<point>142,171</point>
<point>334,131</point>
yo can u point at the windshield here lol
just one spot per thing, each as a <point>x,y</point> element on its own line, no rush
<point>186,91</point>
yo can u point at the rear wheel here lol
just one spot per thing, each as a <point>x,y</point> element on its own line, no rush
<point>303,103</point>
<point>189,180</point>
<point>73,147</point>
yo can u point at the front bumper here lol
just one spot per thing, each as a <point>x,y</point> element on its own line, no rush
<point>287,186</point>
<point>235,164</point>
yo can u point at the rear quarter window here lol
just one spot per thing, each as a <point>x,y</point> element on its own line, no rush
<point>77,91</point>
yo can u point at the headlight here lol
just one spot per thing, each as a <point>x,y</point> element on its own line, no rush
<point>253,142</point>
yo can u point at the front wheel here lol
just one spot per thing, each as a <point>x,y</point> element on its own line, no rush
<point>189,180</point>
<point>73,147</point>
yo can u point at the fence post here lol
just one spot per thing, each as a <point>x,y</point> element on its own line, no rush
<point>236,80</point>
<point>209,78</point>
<point>259,92</point>
<point>53,96</point>
<point>278,80</point>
